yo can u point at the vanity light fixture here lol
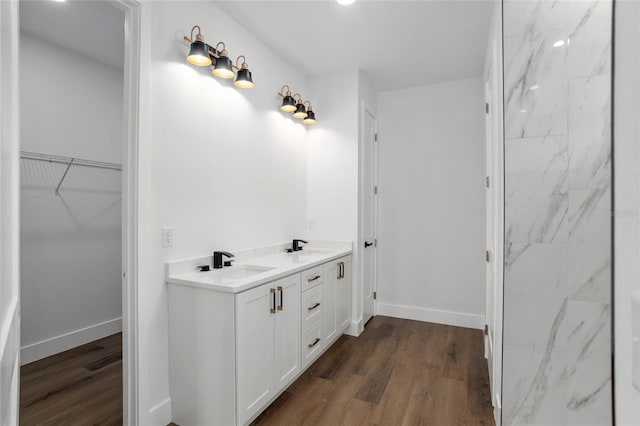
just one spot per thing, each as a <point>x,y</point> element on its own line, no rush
<point>223,67</point>
<point>288,103</point>
<point>311,116</point>
<point>203,55</point>
<point>300,112</point>
<point>198,54</point>
<point>296,105</point>
<point>244,79</point>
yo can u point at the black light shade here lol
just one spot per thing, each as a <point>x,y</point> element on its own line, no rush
<point>288,104</point>
<point>198,54</point>
<point>301,111</point>
<point>311,117</point>
<point>223,68</point>
<point>244,79</point>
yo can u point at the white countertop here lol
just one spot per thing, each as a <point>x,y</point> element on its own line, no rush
<point>274,260</point>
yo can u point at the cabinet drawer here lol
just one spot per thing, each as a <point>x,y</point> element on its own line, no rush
<point>312,277</point>
<point>312,343</point>
<point>311,307</point>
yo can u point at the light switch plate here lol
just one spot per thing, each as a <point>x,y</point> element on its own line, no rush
<point>635,343</point>
<point>167,236</point>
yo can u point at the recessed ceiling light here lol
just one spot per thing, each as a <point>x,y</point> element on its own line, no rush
<point>60,1</point>
<point>345,2</point>
<point>558,43</point>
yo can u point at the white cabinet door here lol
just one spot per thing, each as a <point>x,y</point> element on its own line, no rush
<point>330,298</point>
<point>255,319</point>
<point>344,293</point>
<point>287,330</point>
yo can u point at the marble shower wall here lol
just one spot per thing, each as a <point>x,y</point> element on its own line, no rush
<point>557,63</point>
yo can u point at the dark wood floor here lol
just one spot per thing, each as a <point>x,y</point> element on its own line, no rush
<point>82,386</point>
<point>398,372</point>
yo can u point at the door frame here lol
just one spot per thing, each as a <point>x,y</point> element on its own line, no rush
<point>9,156</point>
<point>10,209</point>
<point>365,109</point>
<point>494,140</point>
<point>131,373</point>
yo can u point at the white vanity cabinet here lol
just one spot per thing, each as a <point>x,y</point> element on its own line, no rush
<point>268,342</point>
<point>232,353</point>
<point>343,303</point>
<point>311,314</point>
<point>337,297</point>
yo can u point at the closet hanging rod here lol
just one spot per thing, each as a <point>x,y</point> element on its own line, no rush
<point>68,160</point>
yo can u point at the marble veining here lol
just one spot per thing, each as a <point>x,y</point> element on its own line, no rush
<point>557,289</point>
<point>590,132</point>
<point>536,96</point>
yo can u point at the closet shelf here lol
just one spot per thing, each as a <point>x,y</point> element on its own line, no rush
<point>68,161</point>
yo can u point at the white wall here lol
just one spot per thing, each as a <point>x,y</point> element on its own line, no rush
<point>627,202</point>
<point>223,166</point>
<point>70,244</point>
<point>72,105</point>
<point>431,203</point>
<point>333,166</point>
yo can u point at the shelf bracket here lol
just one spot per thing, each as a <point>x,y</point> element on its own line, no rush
<point>64,176</point>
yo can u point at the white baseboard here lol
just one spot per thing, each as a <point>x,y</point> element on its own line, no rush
<point>355,328</point>
<point>160,414</point>
<point>54,345</point>
<point>458,319</point>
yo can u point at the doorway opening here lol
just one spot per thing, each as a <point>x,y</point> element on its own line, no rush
<point>78,202</point>
<point>369,211</point>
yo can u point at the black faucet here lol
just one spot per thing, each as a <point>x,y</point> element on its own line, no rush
<point>295,246</point>
<point>217,258</point>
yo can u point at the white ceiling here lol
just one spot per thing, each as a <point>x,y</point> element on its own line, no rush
<point>397,43</point>
<point>94,29</point>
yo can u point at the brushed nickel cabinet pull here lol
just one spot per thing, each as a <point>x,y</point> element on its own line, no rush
<point>311,308</point>
<point>314,278</point>
<point>315,342</point>
<point>273,300</point>
<point>281,305</point>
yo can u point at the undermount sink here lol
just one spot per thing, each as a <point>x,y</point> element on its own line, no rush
<point>306,255</point>
<point>311,252</point>
<point>234,273</point>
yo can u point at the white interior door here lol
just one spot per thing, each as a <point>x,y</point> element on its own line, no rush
<point>495,221</point>
<point>9,219</point>
<point>490,233</point>
<point>369,214</point>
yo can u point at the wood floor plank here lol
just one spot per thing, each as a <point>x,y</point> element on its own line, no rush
<point>398,372</point>
<point>79,386</point>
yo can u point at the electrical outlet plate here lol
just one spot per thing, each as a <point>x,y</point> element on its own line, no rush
<point>167,236</point>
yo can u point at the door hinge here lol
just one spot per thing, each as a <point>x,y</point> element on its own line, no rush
<point>375,189</point>
<point>486,107</point>
<point>375,137</point>
<point>487,256</point>
<point>375,295</point>
<point>486,329</point>
<point>488,181</point>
